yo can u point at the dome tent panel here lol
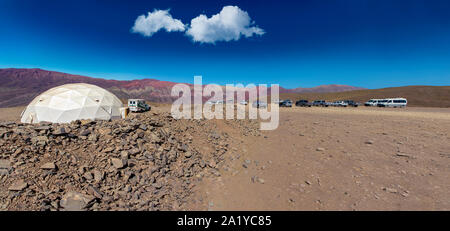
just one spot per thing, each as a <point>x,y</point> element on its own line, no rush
<point>43,114</point>
<point>63,91</point>
<point>103,113</point>
<point>62,103</point>
<point>81,91</point>
<point>69,115</point>
<point>92,111</point>
<point>91,102</point>
<point>95,94</point>
<point>43,100</point>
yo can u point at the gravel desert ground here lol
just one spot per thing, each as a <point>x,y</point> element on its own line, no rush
<point>325,159</point>
<point>340,159</point>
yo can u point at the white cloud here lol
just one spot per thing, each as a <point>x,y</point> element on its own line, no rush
<point>230,24</point>
<point>155,21</point>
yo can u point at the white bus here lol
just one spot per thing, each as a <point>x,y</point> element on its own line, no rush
<point>394,102</point>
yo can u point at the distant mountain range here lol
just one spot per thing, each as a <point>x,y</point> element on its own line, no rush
<point>19,86</point>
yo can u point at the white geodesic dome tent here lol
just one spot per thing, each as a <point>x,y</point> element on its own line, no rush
<point>71,102</point>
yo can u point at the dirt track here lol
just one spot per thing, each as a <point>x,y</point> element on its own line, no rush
<point>333,159</point>
<point>340,159</point>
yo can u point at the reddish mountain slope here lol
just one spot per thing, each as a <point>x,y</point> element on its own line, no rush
<point>20,86</point>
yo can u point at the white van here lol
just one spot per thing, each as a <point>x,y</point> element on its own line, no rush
<point>394,102</point>
<point>372,102</point>
<point>138,105</point>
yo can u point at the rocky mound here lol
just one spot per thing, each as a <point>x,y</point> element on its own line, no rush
<point>146,162</point>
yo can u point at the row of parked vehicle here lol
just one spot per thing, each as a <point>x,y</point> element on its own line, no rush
<point>391,102</point>
<point>323,103</point>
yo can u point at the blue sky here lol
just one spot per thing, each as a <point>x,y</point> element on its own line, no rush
<point>370,44</point>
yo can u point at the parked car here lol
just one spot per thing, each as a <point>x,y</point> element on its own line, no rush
<point>395,102</point>
<point>303,103</point>
<point>321,103</point>
<point>339,104</point>
<point>286,103</point>
<point>351,103</point>
<point>372,102</point>
<point>259,104</point>
<point>243,102</point>
<point>317,103</point>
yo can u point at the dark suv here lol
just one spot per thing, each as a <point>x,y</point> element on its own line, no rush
<point>351,103</point>
<point>303,103</point>
<point>320,103</point>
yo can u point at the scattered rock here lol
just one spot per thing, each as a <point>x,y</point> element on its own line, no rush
<point>98,176</point>
<point>40,140</point>
<point>49,166</point>
<point>404,155</point>
<point>88,176</point>
<point>59,132</point>
<point>5,166</point>
<point>95,192</point>
<point>124,154</point>
<point>42,128</point>
<point>104,131</point>
<point>87,122</point>
<point>134,151</point>
<point>108,149</point>
<point>74,201</point>
<point>18,186</point>
<point>118,163</point>
<point>405,194</point>
<point>85,133</point>
<point>391,190</point>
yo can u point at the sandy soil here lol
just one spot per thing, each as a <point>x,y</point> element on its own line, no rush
<point>333,159</point>
<point>339,159</point>
<point>11,113</point>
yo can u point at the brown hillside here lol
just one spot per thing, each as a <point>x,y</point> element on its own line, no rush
<point>423,96</point>
<point>19,86</point>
